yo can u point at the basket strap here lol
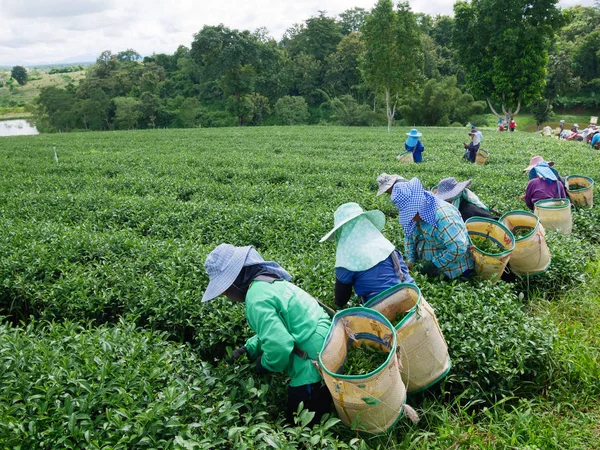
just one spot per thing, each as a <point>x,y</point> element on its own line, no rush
<point>396,261</point>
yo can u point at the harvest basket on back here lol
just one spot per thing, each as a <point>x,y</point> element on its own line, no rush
<point>372,402</point>
<point>489,265</point>
<point>423,350</point>
<point>531,255</point>
<point>555,214</point>
<point>405,157</point>
<point>580,190</point>
<point>481,157</point>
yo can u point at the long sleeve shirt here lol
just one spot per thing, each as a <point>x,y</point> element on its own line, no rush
<point>446,244</point>
<point>416,151</point>
<point>368,283</point>
<point>282,315</point>
<point>540,189</point>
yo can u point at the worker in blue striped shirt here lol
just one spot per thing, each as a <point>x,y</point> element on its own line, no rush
<point>433,231</point>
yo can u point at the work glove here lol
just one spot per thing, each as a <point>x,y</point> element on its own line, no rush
<point>259,367</point>
<point>237,353</point>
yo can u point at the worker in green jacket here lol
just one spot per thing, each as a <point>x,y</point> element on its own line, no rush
<point>290,325</point>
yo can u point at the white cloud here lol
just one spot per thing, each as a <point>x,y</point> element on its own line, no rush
<point>37,31</point>
<point>57,8</point>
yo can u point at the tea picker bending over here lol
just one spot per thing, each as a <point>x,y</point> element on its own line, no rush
<point>365,260</point>
<point>472,147</point>
<point>544,183</point>
<point>290,325</point>
<point>413,144</point>
<point>433,231</point>
<point>463,199</point>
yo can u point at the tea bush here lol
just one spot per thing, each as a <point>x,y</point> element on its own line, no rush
<point>69,386</point>
<point>497,349</point>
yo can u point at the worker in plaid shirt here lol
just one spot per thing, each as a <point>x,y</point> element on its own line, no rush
<point>433,231</point>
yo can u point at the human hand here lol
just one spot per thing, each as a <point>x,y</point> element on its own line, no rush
<point>522,197</point>
<point>238,352</point>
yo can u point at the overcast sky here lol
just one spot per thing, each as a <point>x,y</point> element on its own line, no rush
<point>43,31</point>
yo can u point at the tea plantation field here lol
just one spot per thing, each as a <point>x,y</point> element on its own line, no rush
<point>105,344</point>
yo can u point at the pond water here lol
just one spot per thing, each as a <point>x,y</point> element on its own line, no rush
<point>17,127</point>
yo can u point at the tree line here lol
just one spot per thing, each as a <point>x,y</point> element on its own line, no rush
<point>359,68</point>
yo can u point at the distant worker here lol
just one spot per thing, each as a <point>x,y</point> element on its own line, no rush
<point>463,199</point>
<point>512,125</point>
<point>562,126</point>
<point>290,325</point>
<point>365,260</point>
<point>434,231</point>
<point>596,140</point>
<point>472,147</point>
<point>575,128</point>
<point>414,145</point>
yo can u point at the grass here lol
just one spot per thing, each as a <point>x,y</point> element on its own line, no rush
<point>22,95</point>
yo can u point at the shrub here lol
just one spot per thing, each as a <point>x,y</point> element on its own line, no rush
<point>497,349</point>
<point>569,259</point>
<point>292,110</point>
<point>346,111</point>
<point>68,386</point>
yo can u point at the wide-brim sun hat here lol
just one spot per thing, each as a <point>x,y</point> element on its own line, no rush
<point>223,265</point>
<point>386,181</point>
<point>535,161</point>
<point>449,188</point>
<point>350,211</point>
<point>414,133</point>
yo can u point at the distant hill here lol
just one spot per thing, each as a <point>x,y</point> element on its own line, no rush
<point>61,64</point>
<point>84,60</point>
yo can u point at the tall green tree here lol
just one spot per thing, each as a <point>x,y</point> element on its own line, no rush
<point>393,62</point>
<point>229,59</point>
<point>318,37</point>
<point>19,73</point>
<point>352,19</point>
<point>127,112</point>
<point>503,45</point>
<point>129,55</point>
<point>342,75</point>
<point>105,64</point>
<point>440,103</point>
<point>55,109</point>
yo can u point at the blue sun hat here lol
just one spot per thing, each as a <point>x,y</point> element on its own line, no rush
<point>411,198</point>
<point>413,137</point>
<point>224,264</point>
<point>449,188</point>
<point>360,244</point>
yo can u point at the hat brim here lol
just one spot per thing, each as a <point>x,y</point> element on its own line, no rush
<point>376,217</point>
<point>222,282</point>
<point>528,168</point>
<point>384,187</point>
<point>414,135</point>
<point>455,191</point>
